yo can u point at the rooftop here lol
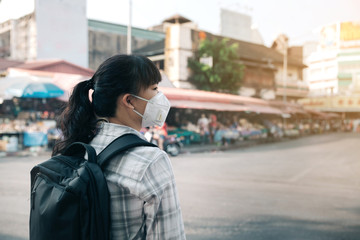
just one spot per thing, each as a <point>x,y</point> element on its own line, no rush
<point>177,18</point>
<point>56,65</point>
<point>7,63</point>
<point>122,30</point>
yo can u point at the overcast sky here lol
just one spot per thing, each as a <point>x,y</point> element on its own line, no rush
<point>299,19</point>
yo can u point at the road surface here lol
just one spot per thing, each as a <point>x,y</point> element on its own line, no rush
<point>308,188</point>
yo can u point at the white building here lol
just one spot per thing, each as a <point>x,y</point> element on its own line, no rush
<point>239,26</point>
<point>46,33</point>
<point>178,48</point>
<point>322,73</point>
<point>62,30</point>
<point>334,67</point>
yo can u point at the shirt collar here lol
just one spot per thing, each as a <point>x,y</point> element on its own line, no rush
<point>117,130</point>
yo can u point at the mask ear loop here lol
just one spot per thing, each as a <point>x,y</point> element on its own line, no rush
<point>138,113</point>
<point>134,107</point>
<point>140,98</point>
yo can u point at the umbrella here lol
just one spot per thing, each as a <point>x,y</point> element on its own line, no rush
<point>17,82</point>
<point>34,90</point>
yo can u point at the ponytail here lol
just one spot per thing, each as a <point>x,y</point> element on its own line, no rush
<point>78,121</point>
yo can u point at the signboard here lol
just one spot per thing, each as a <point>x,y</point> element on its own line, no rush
<point>328,37</point>
<point>332,104</point>
<point>343,35</point>
<point>349,31</point>
<point>349,34</point>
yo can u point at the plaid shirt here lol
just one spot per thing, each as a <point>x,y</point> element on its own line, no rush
<point>144,201</point>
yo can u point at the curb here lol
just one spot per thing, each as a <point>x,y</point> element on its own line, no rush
<point>237,145</point>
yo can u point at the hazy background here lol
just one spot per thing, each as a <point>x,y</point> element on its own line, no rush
<point>300,20</point>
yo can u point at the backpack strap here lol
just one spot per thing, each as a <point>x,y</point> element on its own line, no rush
<point>77,149</point>
<point>121,144</point>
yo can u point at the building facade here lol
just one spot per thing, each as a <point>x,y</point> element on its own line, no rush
<point>334,70</point>
<point>76,39</point>
<point>290,84</point>
<point>44,35</point>
<point>263,66</point>
<point>334,66</point>
<point>61,30</point>
<point>107,39</point>
<point>238,26</point>
<point>18,38</point>
<point>169,45</point>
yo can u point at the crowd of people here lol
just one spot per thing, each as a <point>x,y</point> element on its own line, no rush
<point>207,129</point>
<point>35,134</point>
<point>230,129</point>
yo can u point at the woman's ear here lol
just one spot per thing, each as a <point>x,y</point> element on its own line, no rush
<point>126,101</point>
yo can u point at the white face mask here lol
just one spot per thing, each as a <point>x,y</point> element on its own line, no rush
<point>156,110</point>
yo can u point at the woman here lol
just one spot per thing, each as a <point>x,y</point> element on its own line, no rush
<point>144,202</point>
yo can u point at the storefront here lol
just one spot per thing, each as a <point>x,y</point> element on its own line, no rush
<point>236,117</point>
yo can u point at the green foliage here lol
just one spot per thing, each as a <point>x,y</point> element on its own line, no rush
<point>226,73</point>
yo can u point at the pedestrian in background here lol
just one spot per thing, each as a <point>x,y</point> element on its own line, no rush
<point>144,200</point>
<point>213,125</point>
<point>203,124</point>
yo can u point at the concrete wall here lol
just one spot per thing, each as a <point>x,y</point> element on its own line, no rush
<point>104,45</point>
<point>5,45</point>
<point>18,38</point>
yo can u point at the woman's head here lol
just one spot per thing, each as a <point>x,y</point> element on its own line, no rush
<point>115,81</point>
<point>119,75</point>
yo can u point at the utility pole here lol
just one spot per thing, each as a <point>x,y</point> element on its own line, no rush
<point>285,68</point>
<point>129,29</point>
<point>285,76</point>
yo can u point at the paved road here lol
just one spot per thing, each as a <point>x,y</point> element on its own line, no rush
<point>307,188</point>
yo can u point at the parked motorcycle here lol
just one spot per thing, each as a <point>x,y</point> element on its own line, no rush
<point>172,144</point>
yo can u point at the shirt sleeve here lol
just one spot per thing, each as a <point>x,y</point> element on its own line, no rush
<point>162,208</point>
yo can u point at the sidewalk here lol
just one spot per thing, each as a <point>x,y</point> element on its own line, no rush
<point>197,148</point>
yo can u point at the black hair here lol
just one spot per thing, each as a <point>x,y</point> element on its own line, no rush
<point>118,75</point>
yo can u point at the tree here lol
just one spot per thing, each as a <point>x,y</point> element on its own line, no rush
<point>224,74</point>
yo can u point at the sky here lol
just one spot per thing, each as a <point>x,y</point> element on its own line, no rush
<point>300,20</point>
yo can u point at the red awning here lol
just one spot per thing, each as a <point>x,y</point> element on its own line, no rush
<point>288,108</point>
<point>263,109</point>
<point>333,115</point>
<point>207,105</point>
<point>204,96</point>
<point>196,99</point>
<point>322,115</point>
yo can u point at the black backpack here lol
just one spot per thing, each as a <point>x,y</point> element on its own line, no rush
<point>69,194</point>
